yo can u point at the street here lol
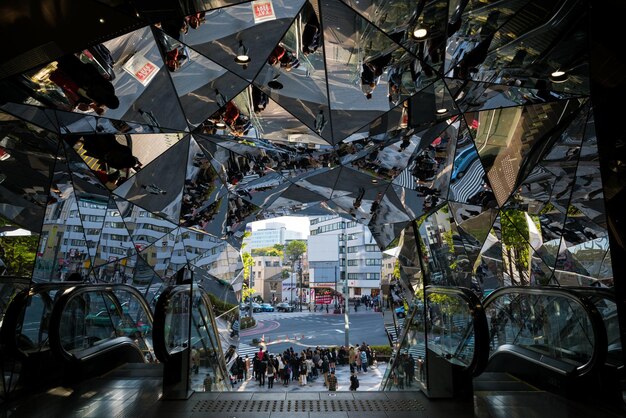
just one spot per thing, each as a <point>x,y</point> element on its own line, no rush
<point>282,330</point>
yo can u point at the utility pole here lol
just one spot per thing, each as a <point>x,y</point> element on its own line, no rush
<point>335,295</point>
<point>250,310</point>
<point>346,312</point>
<point>301,284</point>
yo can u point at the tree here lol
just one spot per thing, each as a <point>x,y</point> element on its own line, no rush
<point>18,254</point>
<point>516,242</point>
<point>295,249</point>
<point>268,251</point>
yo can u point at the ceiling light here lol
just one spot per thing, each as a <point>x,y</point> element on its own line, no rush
<point>242,54</point>
<point>101,20</point>
<point>558,76</point>
<point>420,32</point>
<point>441,111</point>
<point>220,125</point>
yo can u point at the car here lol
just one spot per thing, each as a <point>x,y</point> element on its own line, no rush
<point>266,307</point>
<point>285,307</point>
<point>462,162</point>
<point>400,312</point>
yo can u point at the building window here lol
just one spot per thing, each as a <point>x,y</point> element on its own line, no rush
<point>357,291</point>
<point>353,262</point>
<point>372,276</point>
<point>353,249</point>
<point>372,261</point>
<point>371,248</point>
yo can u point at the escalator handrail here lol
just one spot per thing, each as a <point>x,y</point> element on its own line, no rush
<point>160,313</point>
<point>480,326</point>
<point>59,307</point>
<point>598,357</point>
<point>15,313</point>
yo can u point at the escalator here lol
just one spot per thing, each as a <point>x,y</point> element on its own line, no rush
<point>65,332</point>
<point>27,360</point>
<point>187,341</point>
<point>551,337</point>
<point>96,328</point>
<point>443,345</point>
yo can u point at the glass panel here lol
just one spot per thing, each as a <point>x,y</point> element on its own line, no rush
<point>555,326</point>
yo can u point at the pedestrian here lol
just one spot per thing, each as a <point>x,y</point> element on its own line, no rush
<point>303,372</point>
<point>262,371</point>
<point>286,374</point>
<point>354,381</point>
<point>246,367</point>
<point>271,373</point>
<point>208,383</point>
<point>351,359</point>
<point>325,369</point>
<point>332,382</point>
<point>357,359</point>
<point>364,361</point>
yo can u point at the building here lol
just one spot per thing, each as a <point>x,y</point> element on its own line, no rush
<point>267,277</point>
<point>273,233</point>
<point>358,259</point>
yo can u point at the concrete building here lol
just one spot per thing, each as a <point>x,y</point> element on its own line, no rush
<point>267,277</point>
<point>358,256</point>
<point>273,233</point>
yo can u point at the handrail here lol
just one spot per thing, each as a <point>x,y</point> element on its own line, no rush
<point>160,314</point>
<point>479,321</point>
<point>598,356</point>
<point>14,314</point>
<point>59,307</point>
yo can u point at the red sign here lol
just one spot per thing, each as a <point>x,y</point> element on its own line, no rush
<point>263,10</point>
<point>140,68</point>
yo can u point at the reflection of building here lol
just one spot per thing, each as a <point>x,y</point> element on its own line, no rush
<point>359,257</point>
<point>267,277</point>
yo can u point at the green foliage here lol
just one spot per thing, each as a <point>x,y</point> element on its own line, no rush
<point>247,322</point>
<point>295,249</point>
<point>219,305</point>
<point>516,236</point>
<point>19,254</point>
<point>396,270</point>
<point>573,211</point>
<point>267,251</point>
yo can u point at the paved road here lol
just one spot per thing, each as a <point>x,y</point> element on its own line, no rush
<point>304,329</point>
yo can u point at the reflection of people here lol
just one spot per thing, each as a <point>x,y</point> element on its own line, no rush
<point>235,328</point>
<point>84,85</point>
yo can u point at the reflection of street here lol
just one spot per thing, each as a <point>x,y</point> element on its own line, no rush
<point>470,184</point>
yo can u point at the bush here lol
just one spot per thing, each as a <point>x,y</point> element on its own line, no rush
<point>382,350</point>
<point>255,341</point>
<point>246,322</point>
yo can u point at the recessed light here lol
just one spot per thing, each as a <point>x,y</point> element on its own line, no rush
<point>442,110</point>
<point>420,33</point>
<point>558,76</point>
<point>101,20</point>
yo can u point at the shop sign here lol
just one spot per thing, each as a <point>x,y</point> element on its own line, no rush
<point>263,11</point>
<point>141,69</point>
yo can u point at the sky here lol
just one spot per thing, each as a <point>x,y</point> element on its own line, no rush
<point>293,223</point>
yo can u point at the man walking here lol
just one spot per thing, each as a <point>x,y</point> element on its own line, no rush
<point>332,382</point>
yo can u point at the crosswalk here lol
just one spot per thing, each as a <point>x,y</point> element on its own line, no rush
<point>470,184</point>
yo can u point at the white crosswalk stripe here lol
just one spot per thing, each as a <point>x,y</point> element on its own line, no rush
<point>471,183</point>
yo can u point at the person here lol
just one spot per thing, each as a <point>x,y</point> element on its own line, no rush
<point>325,369</point>
<point>263,370</point>
<point>400,375</point>
<point>208,383</point>
<point>246,367</point>
<point>303,372</point>
<point>420,367</point>
<point>332,382</point>
<point>195,360</point>
<point>235,329</point>
<point>364,360</point>
<point>410,370</point>
<point>271,373</point>
<point>354,381</point>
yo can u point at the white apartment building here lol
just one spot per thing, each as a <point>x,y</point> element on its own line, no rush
<point>359,258</point>
<point>273,233</point>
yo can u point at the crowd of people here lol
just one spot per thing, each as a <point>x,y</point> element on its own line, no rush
<point>305,367</point>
